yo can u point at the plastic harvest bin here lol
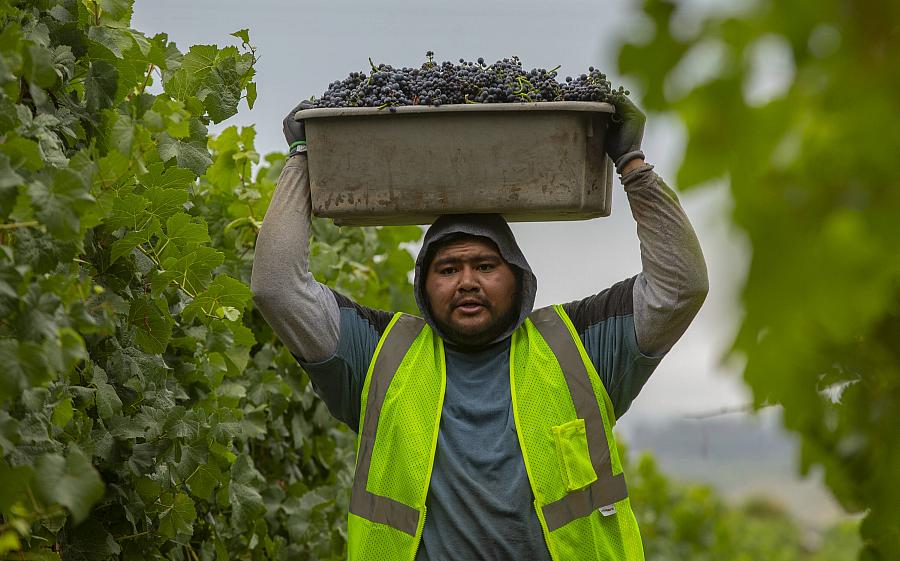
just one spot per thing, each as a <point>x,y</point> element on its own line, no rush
<point>529,161</point>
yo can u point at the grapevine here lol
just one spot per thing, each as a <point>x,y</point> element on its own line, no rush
<point>146,409</point>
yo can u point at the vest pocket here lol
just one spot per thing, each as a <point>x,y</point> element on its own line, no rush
<point>570,441</point>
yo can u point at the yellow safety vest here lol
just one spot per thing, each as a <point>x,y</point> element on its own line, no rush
<point>563,420</point>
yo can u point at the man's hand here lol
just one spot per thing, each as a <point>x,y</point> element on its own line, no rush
<point>295,131</point>
<point>624,135</point>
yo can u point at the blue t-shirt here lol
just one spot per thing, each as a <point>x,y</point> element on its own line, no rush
<point>480,504</point>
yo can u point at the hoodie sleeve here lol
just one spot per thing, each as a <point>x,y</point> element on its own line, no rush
<point>302,312</point>
<point>332,337</point>
<point>627,328</point>
<point>673,284</point>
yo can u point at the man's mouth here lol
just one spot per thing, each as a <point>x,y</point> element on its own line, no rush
<point>469,305</point>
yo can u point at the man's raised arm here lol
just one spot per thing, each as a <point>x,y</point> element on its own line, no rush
<point>673,284</point>
<point>302,312</point>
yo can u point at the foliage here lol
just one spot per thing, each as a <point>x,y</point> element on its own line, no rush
<point>146,409</point>
<point>687,521</point>
<point>812,172</point>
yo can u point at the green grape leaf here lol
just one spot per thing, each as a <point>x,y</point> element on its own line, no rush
<point>182,231</point>
<point>15,481</point>
<point>199,60</point>
<point>133,239</point>
<point>246,504</point>
<point>243,35</point>
<point>114,172</point>
<point>117,132</point>
<point>101,85</point>
<point>177,516</point>
<point>25,366</point>
<point>22,152</point>
<point>116,39</point>
<point>193,455</point>
<point>243,336</point>
<point>128,212</point>
<point>153,325</point>
<point>108,402</point>
<point>204,480</point>
<point>212,76</point>
<point>221,91</point>
<point>116,11</point>
<point>165,178</point>
<point>170,115</point>
<point>147,489</point>
<point>63,413</point>
<point>165,202</point>
<point>192,270</point>
<point>70,481</point>
<point>38,66</point>
<point>190,153</point>
<point>195,66</point>
<point>251,94</point>
<point>160,280</point>
<point>64,62</point>
<point>223,292</point>
<point>60,203</point>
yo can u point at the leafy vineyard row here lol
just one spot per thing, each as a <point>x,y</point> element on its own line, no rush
<point>142,399</point>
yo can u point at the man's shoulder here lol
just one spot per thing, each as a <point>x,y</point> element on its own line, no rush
<point>374,319</point>
<point>615,301</point>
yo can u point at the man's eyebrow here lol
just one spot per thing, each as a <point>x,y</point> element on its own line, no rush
<point>477,257</point>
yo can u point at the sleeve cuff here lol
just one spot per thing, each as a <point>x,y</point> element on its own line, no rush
<point>638,178</point>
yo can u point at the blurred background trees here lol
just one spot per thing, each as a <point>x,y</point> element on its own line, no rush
<point>795,105</point>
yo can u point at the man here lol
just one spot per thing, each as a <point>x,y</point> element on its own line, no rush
<point>491,418</point>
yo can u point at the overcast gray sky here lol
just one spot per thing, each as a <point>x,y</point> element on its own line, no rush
<point>303,46</point>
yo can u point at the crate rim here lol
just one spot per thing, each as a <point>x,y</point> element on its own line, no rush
<point>574,106</point>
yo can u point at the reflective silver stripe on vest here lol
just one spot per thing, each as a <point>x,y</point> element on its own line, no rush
<point>583,502</point>
<point>364,504</point>
<point>608,488</point>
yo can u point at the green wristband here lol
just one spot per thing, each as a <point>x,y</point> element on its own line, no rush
<point>295,144</point>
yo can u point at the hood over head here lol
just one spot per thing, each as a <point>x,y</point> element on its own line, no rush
<point>493,227</point>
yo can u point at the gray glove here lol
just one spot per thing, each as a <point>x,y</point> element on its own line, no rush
<point>295,131</point>
<point>625,132</point>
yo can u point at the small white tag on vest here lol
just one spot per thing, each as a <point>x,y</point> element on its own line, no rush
<point>608,510</point>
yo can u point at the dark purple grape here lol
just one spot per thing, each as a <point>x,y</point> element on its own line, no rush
<point>505,81</point>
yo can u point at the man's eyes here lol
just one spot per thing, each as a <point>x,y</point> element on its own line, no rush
<point>480,267</point>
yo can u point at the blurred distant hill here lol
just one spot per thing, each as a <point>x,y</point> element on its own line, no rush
<point>739,455</point>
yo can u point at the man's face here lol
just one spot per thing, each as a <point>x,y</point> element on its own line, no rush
<point>471,290</point>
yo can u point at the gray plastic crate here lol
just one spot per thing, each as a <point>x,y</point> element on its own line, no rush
<point>529,161</point>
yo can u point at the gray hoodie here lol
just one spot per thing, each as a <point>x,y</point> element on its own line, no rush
<point>492,227</point>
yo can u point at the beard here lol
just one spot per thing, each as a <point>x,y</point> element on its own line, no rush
<point>468,339</point>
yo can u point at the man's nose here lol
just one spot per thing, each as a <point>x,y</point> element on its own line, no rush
<point>467,280</point>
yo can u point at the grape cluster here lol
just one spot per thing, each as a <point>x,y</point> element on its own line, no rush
<point>504,81</point>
